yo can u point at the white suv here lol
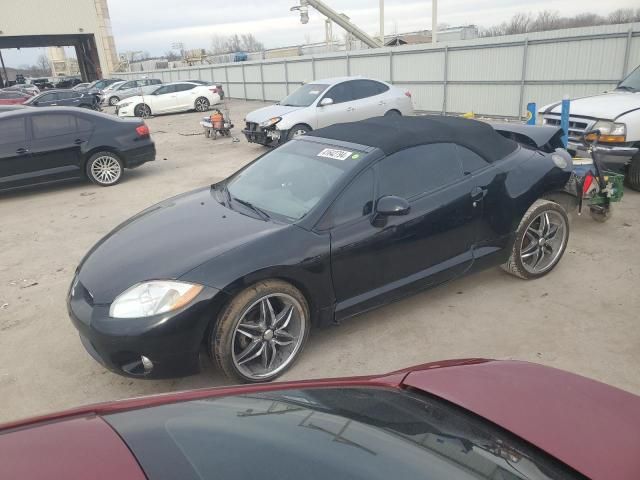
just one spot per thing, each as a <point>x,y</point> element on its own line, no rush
<point>616,115</point>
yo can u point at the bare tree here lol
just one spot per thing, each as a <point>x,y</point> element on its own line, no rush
<point>43,65</point>
<point>546,20</point>
<point>623,15</point>
<point>250,44</point>
<point>171,56</point>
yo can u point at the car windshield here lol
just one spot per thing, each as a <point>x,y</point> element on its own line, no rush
<point>291,180</point>
<point>632,82</point>
<point>305,95</point>
<point>325,433</point>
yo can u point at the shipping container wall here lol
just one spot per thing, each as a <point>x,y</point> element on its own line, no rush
<point>494,76</point>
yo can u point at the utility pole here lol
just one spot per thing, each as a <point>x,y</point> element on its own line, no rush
<point>382,22</point>
<point>4,70</point>
<point>434,21</point>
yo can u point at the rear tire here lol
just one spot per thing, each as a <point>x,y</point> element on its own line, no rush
<point>113,101</point>
<point>600,214</point>
<point>540,241</point>
<point>633,173</point>
<point>231,348</point>
<point>104,168</point>
<point>393,113</point>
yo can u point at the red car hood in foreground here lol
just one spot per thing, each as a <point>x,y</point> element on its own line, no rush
<point>592,427</point>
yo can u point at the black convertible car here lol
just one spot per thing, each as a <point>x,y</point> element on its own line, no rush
<point>332,224</point>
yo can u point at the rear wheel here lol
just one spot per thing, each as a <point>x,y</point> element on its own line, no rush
<point>297,130</point>
<point>113,101</point>
<point>201,104</point>
<point>393,113</point>
<point>633,173</point>
<point>540,242</point>
<point>104,168</point>
<point>142,110</point>
<point>600,214</point>
<point>260,334</point>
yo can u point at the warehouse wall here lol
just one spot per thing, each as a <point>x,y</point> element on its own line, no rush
<point>490,76</point>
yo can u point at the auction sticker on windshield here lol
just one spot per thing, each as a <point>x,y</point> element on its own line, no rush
<point>335,154</point>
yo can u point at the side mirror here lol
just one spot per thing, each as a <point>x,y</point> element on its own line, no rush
<point>326,101</point>
<point>35,102</point>
<point>392,206</point>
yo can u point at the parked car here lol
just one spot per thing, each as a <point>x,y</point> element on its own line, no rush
<point>98,85</point>
<point>10,108</point>
<point>67,82</point>
<point>64,98</point>
<point>218,87</point>
<point>42,83</point>
<point>616,115</point>
<point>333,224</point>
<point>169,98</point>
<point>39,146</point>
<point>81,86</point>
<point>322,103</point>
<point>13,97</point>
<point>129,89</point>
<point>23,88</point>
<point>456,419</point>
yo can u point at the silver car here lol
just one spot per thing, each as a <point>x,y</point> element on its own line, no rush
<point>324,102</point>
<point>130,88</point>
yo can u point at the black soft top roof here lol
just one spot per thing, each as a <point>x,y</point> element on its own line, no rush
<point>391,134</point>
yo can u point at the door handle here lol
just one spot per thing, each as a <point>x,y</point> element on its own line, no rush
<point>78,141</point>
<point>382,102</point>
<point>54,104</point>
<point>22,151</point>
<point>350,109</point>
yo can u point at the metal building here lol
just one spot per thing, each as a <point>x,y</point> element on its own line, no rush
<point>83,24</point>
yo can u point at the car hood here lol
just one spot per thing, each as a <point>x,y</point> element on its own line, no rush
<point>166,241</point>
<point>265,113</point>
<point>606,106</point>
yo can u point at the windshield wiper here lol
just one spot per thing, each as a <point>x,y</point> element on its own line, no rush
<point>264,215</point>
<point>625,87</point>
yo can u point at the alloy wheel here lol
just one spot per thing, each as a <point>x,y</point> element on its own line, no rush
<point>543,242</point>
<point>106,170</point>
<point>202,104</point>
<point>268,336</point>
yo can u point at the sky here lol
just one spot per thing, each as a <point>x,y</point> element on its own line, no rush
<point>153,25</point>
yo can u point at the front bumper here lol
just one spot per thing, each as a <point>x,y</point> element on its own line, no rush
<point>262,136</point>
<point>170,343</point>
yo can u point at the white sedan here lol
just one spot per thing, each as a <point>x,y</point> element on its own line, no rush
<point>325,102</point>
<point>169,98</point>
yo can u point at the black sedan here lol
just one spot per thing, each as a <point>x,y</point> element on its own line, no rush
<point>337,222</point>
<point>64,98</point>
<point>39,146</point>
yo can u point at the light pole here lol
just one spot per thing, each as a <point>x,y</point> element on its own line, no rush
<point>434,21</point>
<point>382,22</point>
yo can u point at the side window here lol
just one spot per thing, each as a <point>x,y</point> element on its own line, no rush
<point>183,87</point>
<point>12,130</point>
<point>470,160</point>
<point>127,85</point>
<point>165,89</point>
<point>67,95</point>
<point>413,171</point>
<point>52,125</point>
<point>355,202</point>
<point>48,97</point>
<point>341,93</point>
<point>368,88</point>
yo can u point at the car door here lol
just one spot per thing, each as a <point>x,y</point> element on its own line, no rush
<point>56,144</point>
<point>69,99</point>
<point>186,94</point>
<point>49,99</point>
<point>164,99</point>
<point>369,100</point>
<point>341,110</point>
<point>15,166</point>
<point>398,255</point>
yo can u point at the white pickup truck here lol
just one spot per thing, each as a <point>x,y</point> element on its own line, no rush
<point>616,115</point>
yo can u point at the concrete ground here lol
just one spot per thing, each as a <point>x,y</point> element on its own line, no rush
<point>583,317</point>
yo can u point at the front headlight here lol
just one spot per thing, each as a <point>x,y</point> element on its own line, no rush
<point>270,122</point>
<point>125,104</point>
<point>610,131</point>
<point>152,298</point>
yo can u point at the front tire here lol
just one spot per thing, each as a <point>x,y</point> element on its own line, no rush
<point>201,104</point>
<point>298,130</point>
<point>540,242</point>
<point>393,113</point>
<point>261,333</point>
<point>113,101</point>
<point>142,110</point>
<point>104,169</point>
<point>633,173</point>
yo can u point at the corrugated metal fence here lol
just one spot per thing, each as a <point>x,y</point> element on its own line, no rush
<point>491,76</point>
